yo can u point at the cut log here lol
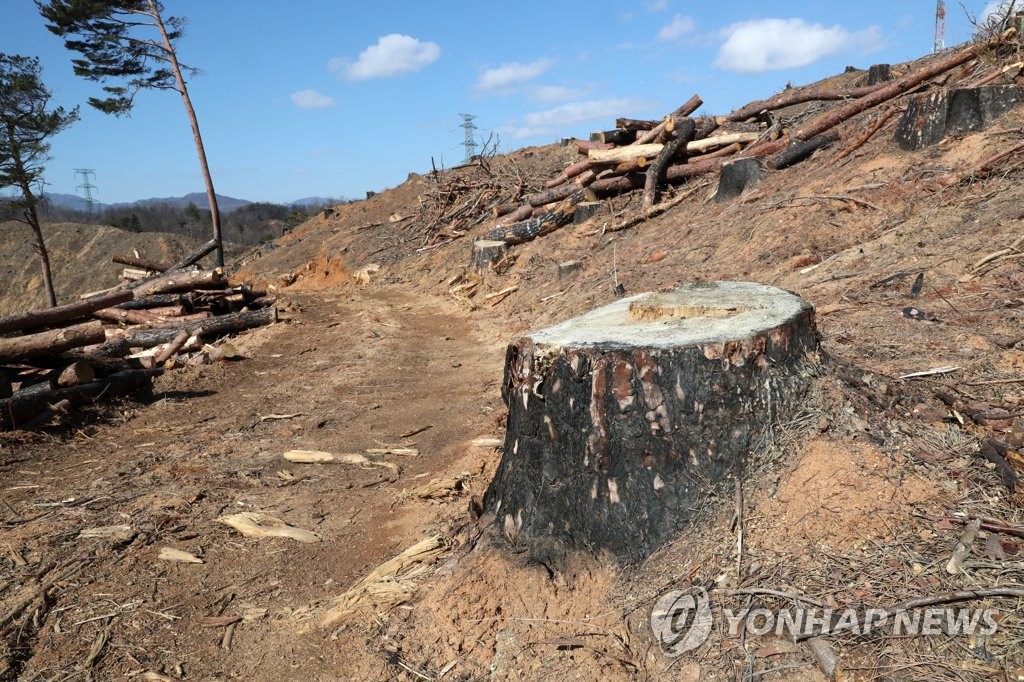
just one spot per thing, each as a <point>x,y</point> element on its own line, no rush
<point>15,411</point>
<point>158,300</point>
<point>798,151</point>
<point>737,177</point>
<point>705,126</point>
<point>616,136</point>
<point>521,213</point>
<point>135,262</point>
<point>50,342</point>
<point>178,281</point>
<point>76,374</point>
<point>168,311</point>
<point>134,274</point>
<point>503,209</point>
<point>688,107</point>
<point>800,96</point>
<point>717,154</point>
<point>487,252</point>
<point>211,328</point>
<point>620,154</point>
<point>657,170</point>
<point>933,116</point>
<point>631,166</point>
<point>48,317</point>
<point>570,171</point>
<point>885,92</point>
<point>635,124</point>
<point>550,196</point>
<point>122,316</point>
<point>173,347</point>
<point>545,223</point>
<point>623,421</point>
<point>584,146</point>
<point>879,73</point>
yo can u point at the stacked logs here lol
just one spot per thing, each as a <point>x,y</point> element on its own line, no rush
<point>113,342</point>
<point>650,155</point>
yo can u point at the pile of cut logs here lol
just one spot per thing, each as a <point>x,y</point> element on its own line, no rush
<point>113,342</point>
<point>653,155</point>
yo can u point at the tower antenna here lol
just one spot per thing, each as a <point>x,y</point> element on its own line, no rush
<point>469,142</point>
<point>87,188</point>
<point>940,26</point>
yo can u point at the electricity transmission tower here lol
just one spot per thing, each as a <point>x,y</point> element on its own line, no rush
<point>87,188</point>
<point>469,142</point>
<point>940,26</point>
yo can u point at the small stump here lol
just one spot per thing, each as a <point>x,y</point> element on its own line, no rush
<point>622,422</point>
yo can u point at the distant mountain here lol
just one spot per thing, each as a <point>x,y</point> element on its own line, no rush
<point>224,203</point>
<point>312,201</point>
<point>72,201</point>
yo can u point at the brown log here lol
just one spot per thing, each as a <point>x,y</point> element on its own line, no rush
<point>705,126</point>
<point>616,136</point>
<point>521,213</point>
<point>172,310</point>
<point>586,177</point>
<point>688,107</point>
<point>798,151</point>
<point>550,220</point>
<point>173,347</point>
<point>635,124</point>
<point>631,166</point>
<point>134,274</point>
<point>889,90</point>
<point>179,281</point>
<point>550,196</point>
<point>569,172</point>
<point>185,300</point>
<point>883,118</point>
<point>657,169</point>
<point>75,374</point>
<point>584,146</point>
<point>48,317</point>
<point>50,342</point>
<point>151,265</point>
<point>120,345</point>
<point>620,154</point>
<point>718,153</point>
<point>798,96</point>
<point>16,411</point>
<point>128,316</point>
<point>503,209</point>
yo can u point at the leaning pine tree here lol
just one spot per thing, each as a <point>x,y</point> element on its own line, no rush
<point>129,41</point>
<point>26,123</point>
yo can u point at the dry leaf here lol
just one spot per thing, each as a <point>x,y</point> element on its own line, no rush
<point>256,525</point>
<point>171,554</point>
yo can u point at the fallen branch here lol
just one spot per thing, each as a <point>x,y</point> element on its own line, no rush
<point>824,197</point>
<point>48,317</point>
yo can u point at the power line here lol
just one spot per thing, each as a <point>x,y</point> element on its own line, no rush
<point>469,142</point>
<point>87,188</point>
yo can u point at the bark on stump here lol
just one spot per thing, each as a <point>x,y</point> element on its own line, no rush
<point>622,421</point>
<point>737,177</point>
<point>487,252</point>
<point>932,116</point>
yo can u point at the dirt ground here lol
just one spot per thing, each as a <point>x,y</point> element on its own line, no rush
<point>389,341</point>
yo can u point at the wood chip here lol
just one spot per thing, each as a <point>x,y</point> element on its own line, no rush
<point>317,457</point>
<point>217,621</point>
<point>256,525</point>
<point>119,533</point>
<point>308,456</point>
<point>171,554</point>
<point>487,442</point>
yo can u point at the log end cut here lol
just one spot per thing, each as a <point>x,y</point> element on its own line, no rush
<point>622,420</point>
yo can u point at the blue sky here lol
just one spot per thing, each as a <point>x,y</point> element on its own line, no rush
<point>331,98</point>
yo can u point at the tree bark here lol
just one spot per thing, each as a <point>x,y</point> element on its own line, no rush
<point>622,421</point>
<point>50,342</point>
<point>657,169</point>
<point>799,96</point>
<point>152,266</point>
<point>487,252</point>
<point>798,151</point>
<point>737,177</point>
<point>210,328</point>
<point>559,215</point>
<point>887,91</point>
<point>635,124</point>
<point>121,316</point>
<point>18,410</point>
<point>211,195</point>
<point>179,281</point>
<point>49,317</point>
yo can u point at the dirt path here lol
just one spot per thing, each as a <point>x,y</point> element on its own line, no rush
<point>357,371</point>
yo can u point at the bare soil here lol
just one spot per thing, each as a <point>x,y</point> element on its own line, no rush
<point>859,502</point>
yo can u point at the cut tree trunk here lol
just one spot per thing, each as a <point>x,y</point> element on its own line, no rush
<point>801,96</point>
<point>584,146</point>
<point>635,124</point>
<point>16,411</point>
<point>614,136</point>
<point>586,210</point>
<point>76,374</point>
<point>49,317</point>
<point>879,73</point>
<point>798,151</point>
<point>620,154</point>
<point>737,177</point>
<point>657,170</point>
<point>688,107</point>
<point>624,421</point>
<point>51,342</point>
<point>122,316</point>
<point>931,117</point>
<point>210,328</point>
<point>179,281</point>
<point>487,252</point>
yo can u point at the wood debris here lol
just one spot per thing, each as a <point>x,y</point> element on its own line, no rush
<point>257,525</point>
<point>178,555</point>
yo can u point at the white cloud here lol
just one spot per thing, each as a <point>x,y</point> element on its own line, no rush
<point>677,28</point>
<point>773,44</point>
<point>553,93</point>
<point>311,99</point>
<point>503,79</point>
<point>657,5</point>
<point>392,55</point>
<point>555,120</point>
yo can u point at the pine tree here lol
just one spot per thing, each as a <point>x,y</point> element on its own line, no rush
<point>129,42</point>
<point>26,123</point>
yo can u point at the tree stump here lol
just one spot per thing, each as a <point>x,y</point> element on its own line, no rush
<point>737,177</point>
<point>622,421</point>
<point>932,116</point>
<point>487,252</point>
<point>879,73</point>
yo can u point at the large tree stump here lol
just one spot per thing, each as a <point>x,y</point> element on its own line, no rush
<point>932,116</point>
<point>737,177</point>
<point>622,421</point>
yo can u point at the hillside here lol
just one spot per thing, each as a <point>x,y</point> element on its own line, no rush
<point>393,342</point>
